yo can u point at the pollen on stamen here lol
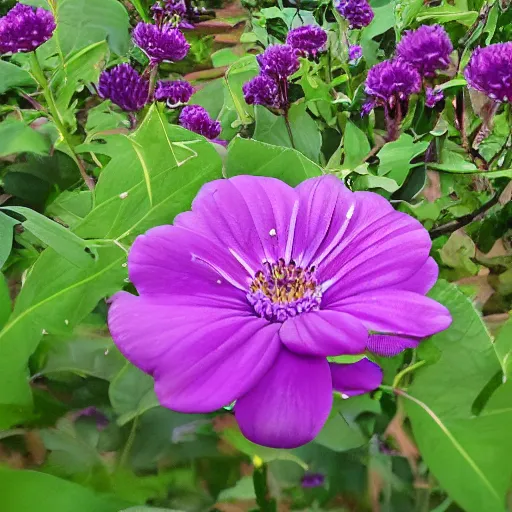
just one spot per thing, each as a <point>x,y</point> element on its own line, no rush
<point>272,232</point>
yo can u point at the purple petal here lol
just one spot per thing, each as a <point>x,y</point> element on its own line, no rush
<point>324,333</point>
<point>423,280</point>
<point>356,378</point>
<point>174,261</point>
<point>289,405</point>
<point>397,312</point>
<point>389,346</point>
<point>249,216</point>
<point>202,357</point>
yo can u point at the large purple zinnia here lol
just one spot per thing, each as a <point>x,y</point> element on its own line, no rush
<point>245,296</point>
<point>307,40</point>
<point>164,43</point>
<point>174,92</point>
<point>125,87</point>
<point>490,71</point>
<point>427,49</point>
<point>278,61</point>
<point>196,119</point>
<point>358,13</point>
<point>25,28</point>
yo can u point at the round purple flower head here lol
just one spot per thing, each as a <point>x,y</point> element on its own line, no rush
<point>307,40</point>
<point>433,96</point>
<point>164,43</point>
<point>278,61</point>
<point>25,28</point>
<point>125,87</point>
<point>355,52</point>
<point>196,119</point>
<point>245,297</point>
<point>358,13</point>
<point>427,49</point>
<point>168,8</point>
<point>490,71</point>
<point>175,92</point>
<point>391,81</point>
<point>262,90</point>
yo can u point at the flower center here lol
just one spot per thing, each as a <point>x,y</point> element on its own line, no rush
<point>281,290</point>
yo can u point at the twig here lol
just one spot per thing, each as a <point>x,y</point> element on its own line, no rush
<point>456,224</point>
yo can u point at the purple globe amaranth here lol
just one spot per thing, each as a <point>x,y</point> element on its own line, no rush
<point>358,13</point>
<point>174,92</point>
<point>490,71</point>
<point>391,81</point>
<point>433,96</point>
<point>164,43</point>
<point>355,52</point>
<point>427,49</point>
<point>125,87</point>
<point>278,61</point>
<point>168,9</point>
<point>308,40</point>
<point>263,90</point>
<point>196,119</point>
<point>25,28</point>
<point>245,297</point>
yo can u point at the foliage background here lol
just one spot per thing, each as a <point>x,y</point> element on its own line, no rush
<point>436,437</point>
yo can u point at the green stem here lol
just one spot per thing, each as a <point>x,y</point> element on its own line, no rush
<point>289,129</point>
<point>263,499</point>
<point>405,371</point>
<point>123,460</point>
<point>152,81</point>
<point>39,76</point>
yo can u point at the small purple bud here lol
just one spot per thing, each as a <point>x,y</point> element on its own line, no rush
<point>164,43</point>
<point>92,412</point>
<point>355,52</point>
<point>278,61</point>
<point>308,40</point>
<point>196,119</point>
<point>433,96</point>
<point>25,28</point>
<point>310,480</point>
<point>358,13</point>
<point>175,93</point>
<point>427,49</point>
<point>125,87</point>
<point>262,90</point>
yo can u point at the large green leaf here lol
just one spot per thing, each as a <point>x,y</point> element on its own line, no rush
<point>247,156</point>
<point>24,491</point>
<point>17,137</point>
<point>467,452</point>
<point>13,76</point>
<point>5,301</point>
<point>6,236</point>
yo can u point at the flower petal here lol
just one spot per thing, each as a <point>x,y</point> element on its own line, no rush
<point>202,357</point>
<point>389,346</point>
<point>396,312</point>
<point>423,280</point>
<point>289,405</point>
<point>174,261</point>
<point>250,216</point>
<point>356,378</point>
<point>324,333</point>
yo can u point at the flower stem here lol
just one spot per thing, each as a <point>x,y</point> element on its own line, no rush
<point>40,78</point>
<point>129,443</point>
<point>259,477</point>
<point>152,81</point>
<point>289,129</point>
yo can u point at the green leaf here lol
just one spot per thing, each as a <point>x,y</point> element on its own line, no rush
<point>503,347</point>
<point>356,146</point>
<point>132,393</point>
<point>468,454</point>
<point>22,491</point>
<point>395,157</point>
<point>5,301</point>
<point>272,130</point>
<point>71,207</point>
<point>457,11</point>
<point>51,233</point>
<point>6,237</point>
<point>243,490</point>
<point>454,162</point>
<point>17,137</point>
<point>149,509</point>
<point>13,76</point>
<point>247,156</point>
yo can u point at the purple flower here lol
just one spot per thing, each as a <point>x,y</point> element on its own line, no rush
<point>168,9</point>
<point>358,13</point>
<point>245,296</point>
<point>196,119</point>
<point>25,28</point>
<point>262,90</point>
<point>310,480</point>
<point>175,93</point>
<point>392,81</point>
<point>433,96</point>
<point>94,413</point>
<point>307,40</point>
<point>490,71</point>
<point>164,43</point>
<point>355,52</point>
<point>125,87</point>
<point>427,49</point>
<point>278,61</point>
